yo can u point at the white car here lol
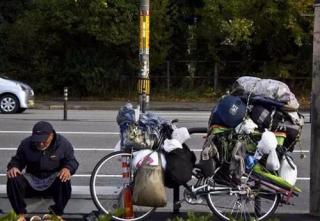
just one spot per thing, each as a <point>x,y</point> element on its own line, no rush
<point>15,96</point>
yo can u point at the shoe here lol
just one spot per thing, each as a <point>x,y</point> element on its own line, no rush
<point>35,218</point>
<point>21,218</point>
<point>47,217</point>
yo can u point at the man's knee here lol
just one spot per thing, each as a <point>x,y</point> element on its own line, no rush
<point>18,180</point>
<point>58,186</point>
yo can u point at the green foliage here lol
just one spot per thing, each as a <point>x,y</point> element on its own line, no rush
<point>108,217</point>
<point>92,46</point>
<point>275,32</point>
<point>12,216</point>
<point>197,217</point>
<point>191,216</point>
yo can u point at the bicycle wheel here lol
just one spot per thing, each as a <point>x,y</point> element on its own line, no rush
<point>251,201</point>
<point>106,187</point>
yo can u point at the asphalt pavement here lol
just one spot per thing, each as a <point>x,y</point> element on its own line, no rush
<point>154,105</point>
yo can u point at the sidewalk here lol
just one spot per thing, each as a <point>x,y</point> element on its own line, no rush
<point>164,216</point>
<point>115,105</point>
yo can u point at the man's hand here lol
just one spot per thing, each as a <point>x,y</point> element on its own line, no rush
<point>13,172</point>
<point>64,175</point>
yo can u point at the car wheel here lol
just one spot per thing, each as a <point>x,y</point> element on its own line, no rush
<point>9,104</point>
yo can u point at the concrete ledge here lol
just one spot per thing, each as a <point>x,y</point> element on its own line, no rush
<point>82,192</point>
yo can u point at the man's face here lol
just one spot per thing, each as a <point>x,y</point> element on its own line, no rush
<point>44,144</point>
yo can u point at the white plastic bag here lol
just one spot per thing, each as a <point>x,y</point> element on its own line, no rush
<point>246,127</point>
<point>273,162</point>
<point>181,134</point>
<point>288,172</point>
<point>153,159</point>
<point>267,144</point>
<point>117,147</point>
<point>171,144</point>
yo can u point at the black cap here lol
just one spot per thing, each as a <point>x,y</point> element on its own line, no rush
<point>41,131</point>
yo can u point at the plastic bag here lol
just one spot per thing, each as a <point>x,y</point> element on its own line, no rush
<point>151,158</point>
<point>273,161</point>
<point>171,144</point>
<point>181,134</point>
<point>267,144</point>
<point>288,170</point>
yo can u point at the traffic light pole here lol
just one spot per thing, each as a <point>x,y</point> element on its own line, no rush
<point>144,80</point>
<point>315,118</point>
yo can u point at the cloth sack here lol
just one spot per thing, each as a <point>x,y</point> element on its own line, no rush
<point>180,163</point>
<point>268,88</point>
<point>209,157</point>
<point>237,164</point>
<point>266,117</point>
<point>149,189</point>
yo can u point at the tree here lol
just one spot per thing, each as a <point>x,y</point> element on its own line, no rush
<point>275,32</point>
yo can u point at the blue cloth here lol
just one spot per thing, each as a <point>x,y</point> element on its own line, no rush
<point>40,184</point>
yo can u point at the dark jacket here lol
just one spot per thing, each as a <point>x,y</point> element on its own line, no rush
<point>42,164</point>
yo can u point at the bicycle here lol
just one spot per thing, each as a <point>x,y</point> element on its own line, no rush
<point>254,198</point>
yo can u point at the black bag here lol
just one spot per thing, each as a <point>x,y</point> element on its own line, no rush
<point>180,163</point>
<point>293,133</point>
<point>266,117</point>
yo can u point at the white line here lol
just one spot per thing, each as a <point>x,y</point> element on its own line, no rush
<point>80,149</point>
<point>303,178</point>
<point>89,175</point>
<point>85,149</point>
<point>62,132</point>
<point>111,149</point>
<point>301,151</point>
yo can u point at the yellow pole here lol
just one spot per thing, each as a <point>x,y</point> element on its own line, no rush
<point>144,80</point>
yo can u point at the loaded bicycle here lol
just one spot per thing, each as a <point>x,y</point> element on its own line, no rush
<point>255,195</point>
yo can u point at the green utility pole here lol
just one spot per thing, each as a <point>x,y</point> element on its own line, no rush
<point>144,80</point>
<point>315,118</point>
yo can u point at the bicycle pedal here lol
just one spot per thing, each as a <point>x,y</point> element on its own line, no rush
<point>178,203</point>
<point>194,201</point>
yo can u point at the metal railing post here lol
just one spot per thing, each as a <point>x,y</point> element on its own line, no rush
<point>65,103</point>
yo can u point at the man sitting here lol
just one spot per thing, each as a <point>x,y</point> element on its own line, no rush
<point>49,161</point>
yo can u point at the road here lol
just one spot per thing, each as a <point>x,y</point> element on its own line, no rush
<point>95,133</point>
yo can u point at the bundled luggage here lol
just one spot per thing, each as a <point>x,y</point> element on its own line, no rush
<point>267,112</point>
<point>160,157</point>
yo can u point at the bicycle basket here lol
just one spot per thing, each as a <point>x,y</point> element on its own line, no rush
<point>138,138</point>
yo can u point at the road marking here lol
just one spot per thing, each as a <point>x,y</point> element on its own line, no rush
<point>303,178</point>
<point>112,149</point>
<point>62,132</point>
<point>89,175</point>
<point>80,149</point>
